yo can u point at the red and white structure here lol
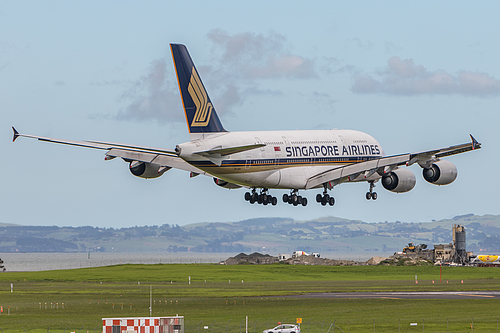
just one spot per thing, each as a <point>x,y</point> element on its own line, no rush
<point>143,325</point>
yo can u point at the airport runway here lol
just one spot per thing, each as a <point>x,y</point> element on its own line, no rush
<point>409,295</point>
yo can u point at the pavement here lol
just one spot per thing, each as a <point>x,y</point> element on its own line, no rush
<point>408,295</point>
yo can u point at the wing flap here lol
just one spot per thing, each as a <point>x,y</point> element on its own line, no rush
<point>425,157</point>
<point>341,174</point>
<point>163,160</point>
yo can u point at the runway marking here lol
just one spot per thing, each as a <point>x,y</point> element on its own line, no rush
<point>390,297</point>
<point>475,295</point>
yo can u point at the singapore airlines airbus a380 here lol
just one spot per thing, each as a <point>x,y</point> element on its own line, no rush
<point>260,161</point>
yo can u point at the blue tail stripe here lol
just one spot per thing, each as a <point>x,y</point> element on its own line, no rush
<point>200,114</point>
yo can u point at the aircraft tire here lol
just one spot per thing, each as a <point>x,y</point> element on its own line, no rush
<point>247,196</point>
<point>331,201</point>
<point>318,197</point>
<point>368,195</point>
<point>285,198</point>
<point>374,195</point>
<point>304,202</point>
<point>274,201</point>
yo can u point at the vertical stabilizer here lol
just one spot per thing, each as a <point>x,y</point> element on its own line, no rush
<point>200,114</point>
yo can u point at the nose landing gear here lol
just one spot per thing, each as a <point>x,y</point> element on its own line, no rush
<point>371,194</point>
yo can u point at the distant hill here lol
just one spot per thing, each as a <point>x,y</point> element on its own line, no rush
<point>267,235</point>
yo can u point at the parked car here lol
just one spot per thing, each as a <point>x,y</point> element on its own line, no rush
<point>284,328</point>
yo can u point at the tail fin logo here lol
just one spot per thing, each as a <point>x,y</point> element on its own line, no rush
<point>200,99</point>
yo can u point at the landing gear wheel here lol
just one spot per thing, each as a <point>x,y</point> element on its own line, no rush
<point>370,194</point>
<point>304,202</point>
<point>274,201</point>
<point>323,201</point>
<point>331,201</point>
<point>247,196</point>
<point>318,197</point>
<point>285,198</point>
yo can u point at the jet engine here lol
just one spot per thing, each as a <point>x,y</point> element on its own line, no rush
<point>147,170</point>
<point>223,183</point>
<point>399,181</point>
<point>440,173</point>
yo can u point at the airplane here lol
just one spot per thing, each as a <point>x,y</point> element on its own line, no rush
<point>264,160</point>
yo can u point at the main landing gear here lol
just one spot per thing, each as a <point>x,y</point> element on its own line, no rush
<point>294,199</point>
<point>371,194</point>
<point>262,198</point>
<point>325,198</point>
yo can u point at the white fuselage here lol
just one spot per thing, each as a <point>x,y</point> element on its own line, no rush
<point>288,159</point>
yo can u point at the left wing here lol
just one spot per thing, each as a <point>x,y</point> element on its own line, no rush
<point>162,157</point>
<point>385,165</point>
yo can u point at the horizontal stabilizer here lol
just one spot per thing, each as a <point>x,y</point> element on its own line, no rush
<point>230,151</point>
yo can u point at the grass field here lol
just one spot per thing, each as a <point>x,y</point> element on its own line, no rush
<point>76,300</point>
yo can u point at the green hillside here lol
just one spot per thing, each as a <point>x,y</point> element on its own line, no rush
<point>270,235</point>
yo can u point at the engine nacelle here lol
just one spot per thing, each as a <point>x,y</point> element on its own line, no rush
<point>399,181</point>
<point>441,173</point>
<point>223,183</point>
<point>147,170</point>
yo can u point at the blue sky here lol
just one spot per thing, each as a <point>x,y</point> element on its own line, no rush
<point>414,75</point>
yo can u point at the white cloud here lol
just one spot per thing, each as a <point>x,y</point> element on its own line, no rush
<point>256,56</point>
<point>238,61</point>
<point>154,96</point>
<point>404,77</point>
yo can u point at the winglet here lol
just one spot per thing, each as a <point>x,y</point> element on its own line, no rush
<point>475,144</point>
<point>16,134</point>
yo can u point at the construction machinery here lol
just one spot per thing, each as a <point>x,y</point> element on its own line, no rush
<point>414,248</point>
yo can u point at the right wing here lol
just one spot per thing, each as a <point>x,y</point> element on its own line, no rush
<point>162,157</point>
<point>339,175</point>
<point>385,165</point>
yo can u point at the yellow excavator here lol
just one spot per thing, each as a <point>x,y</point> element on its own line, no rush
<point>409,248</point>
<point>413,248</point>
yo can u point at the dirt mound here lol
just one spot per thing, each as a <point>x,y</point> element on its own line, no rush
<point>375,260</point>
<point>311,260</point>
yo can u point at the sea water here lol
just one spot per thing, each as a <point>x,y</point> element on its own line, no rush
<point>22,262</point>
